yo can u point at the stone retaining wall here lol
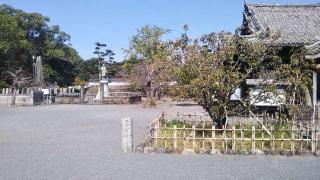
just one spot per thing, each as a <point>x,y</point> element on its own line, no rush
<point>67,100</point>
<point>34,98</point>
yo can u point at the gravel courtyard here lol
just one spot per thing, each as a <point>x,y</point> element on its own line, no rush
<point>84,142</point>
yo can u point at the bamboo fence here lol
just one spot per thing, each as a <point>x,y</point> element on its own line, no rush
<point>195,131</point>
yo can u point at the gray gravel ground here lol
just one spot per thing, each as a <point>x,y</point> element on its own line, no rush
<point>84,142</point>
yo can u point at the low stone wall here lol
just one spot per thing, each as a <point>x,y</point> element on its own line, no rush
<point>121,100</point>
<point>22,100</point>
<point>36,98</point>
<point>67,100</point>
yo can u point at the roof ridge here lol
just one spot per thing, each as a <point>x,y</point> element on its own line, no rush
<point>282,5</point>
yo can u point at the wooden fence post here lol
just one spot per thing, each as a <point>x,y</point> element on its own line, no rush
<point>313,149</point>
<point>213,137</point>
<point>233,137</point>
<point>241,134</point>
<point>165,135</point>
<point>193,136</point>
<point>292,139</point>
<point>316,138</point>
<point>225,143</point>
<point>281,144</point>
<point>155,135</point>
<point>184,135</point>
<point>253,138</point>
<point>301,136</point>
<point>308,133</point>
<point>262,138</point>
<point>127,135</point>
<point>272,138</point>
<point>203,128</point>
<point>175,137</point>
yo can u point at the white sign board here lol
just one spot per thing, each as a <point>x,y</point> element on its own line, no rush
<point>45,91</point>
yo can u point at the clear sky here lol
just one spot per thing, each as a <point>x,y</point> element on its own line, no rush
<point>114,21</point>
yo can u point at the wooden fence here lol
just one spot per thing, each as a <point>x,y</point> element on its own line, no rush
<point>199,133</point>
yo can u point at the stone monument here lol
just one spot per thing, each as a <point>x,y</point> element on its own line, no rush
<point>38,72</point>
<point>104,80</point>
<point>103,83</point>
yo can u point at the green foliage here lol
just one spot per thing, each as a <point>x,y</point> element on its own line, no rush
<point>147,43</point>
<point>214,66</point>
<point>89,69</point>
<point>166,132</point>
<point>61,71</point>
<point>25,34</point>
<point>149,66</point>
<point>51,75</point>
<point>297,72</point>
<point>79,82</point>
<point>3,84</point>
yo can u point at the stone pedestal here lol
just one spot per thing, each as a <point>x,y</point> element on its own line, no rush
<point>103,90</point>
<point>104,84</point>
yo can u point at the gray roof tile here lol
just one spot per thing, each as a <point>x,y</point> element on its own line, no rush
<point>294,24</point>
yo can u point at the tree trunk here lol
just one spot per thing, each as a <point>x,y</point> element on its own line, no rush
<point>219,120</point>
<point>307,96</point>
<point>151,93</point>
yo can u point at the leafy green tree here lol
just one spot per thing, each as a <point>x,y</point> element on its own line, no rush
<point>214,66</point>
<point>296,71</point>
<point>26,34</point>
<point>102,52</point>
<point>61,71</point>
<point>88,69</point>
<point>12,42</point>
<point>149,65</point>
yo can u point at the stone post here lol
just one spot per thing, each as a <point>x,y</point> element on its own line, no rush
<point>101,91</point>
<point>127,135</point>
<point>82,94</point>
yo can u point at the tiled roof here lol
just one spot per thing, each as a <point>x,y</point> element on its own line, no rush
<point>294,25</point>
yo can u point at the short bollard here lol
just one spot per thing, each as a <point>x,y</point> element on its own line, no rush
<point>127,135</point>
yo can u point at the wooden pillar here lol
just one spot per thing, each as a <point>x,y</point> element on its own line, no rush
<point>193,136</point>
<point>175,137</point>
<point>233,137</point>
<point>314,88</point>
<point>314,94</point>
<point>253,138</point>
